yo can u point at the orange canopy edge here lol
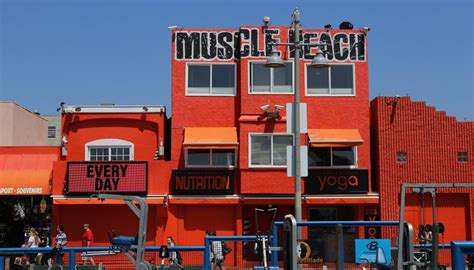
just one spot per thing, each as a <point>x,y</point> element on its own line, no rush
<point>210,137</point>
<point>334,137</point>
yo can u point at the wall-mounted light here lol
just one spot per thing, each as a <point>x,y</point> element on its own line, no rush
<point>265,107</point>
<point>145,108</point>
<point>279,107</point>
<point>77,109</point>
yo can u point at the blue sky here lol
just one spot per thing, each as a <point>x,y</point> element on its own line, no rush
<point>104,51</point>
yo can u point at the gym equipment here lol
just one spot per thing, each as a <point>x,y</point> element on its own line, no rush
<point>422,188</point>
<point>265,239</point>
<point>289,243</point>
<point>132,246</point>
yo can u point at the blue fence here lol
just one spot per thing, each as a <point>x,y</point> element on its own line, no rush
<point>72,251</point>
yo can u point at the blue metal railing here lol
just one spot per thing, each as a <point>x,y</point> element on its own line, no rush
<point>209,239</point>
<point>276,225</point>
<point>73,250</point>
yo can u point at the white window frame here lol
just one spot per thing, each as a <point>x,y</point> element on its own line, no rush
<point>250,80</point>
<point>330,95</point>
<point>187,165</point>
<point>210,64</point>
<point>108,143</point>
<point>356,161</point>
<point>271,149</point>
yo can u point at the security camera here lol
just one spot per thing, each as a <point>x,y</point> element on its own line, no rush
<point>172,27</point>
<point>365,29</point>
<point>265,107</point>
<point>266,20</point>
<point>397,96</point>
<point>64,140</point>
<point>279,107</point>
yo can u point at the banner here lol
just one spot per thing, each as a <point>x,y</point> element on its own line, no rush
<point>194,182</point>
<point>124,177</point>
<point>337,182</point>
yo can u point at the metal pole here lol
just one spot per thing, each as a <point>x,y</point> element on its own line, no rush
<point>400,228</point>
<point>298,211</point>
<point>434,242</point>
<point>340,247</point>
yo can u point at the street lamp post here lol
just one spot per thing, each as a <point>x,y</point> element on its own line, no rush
<point>319,61</point>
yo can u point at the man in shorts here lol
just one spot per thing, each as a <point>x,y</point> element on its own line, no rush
<point>87,240</point>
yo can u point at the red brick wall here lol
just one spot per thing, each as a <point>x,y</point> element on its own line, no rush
<point>432,141</point>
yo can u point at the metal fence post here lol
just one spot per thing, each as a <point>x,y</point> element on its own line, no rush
<point>72,259</point>
<point>340,247</point>
<point>274,245</point>
<point>206,265</point>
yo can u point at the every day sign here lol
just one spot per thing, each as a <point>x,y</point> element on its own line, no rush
<point>107,177</point>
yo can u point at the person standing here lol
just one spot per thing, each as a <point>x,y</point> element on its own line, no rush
<point>87,240</point>
<point>33,242</point>
<point>61,241</point>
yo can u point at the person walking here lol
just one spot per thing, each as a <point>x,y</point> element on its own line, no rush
<point>217,258</point>
<point>175,257</point>
<point>61,241</point>
<point>87,240</point>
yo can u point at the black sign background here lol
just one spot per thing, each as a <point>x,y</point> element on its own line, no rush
<point>199,182</point>
<point>337,182</point>
<point>372,214</point>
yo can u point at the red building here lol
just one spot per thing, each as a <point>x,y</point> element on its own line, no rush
<point>110,149</point>
<point>414,143</point>
<point>229,133</point>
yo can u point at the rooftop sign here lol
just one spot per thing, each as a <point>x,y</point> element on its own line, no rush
<point>247,43</point>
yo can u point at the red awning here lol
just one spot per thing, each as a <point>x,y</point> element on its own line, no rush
<point>334,137</point>
<point>26,174</point>
<point>210,137</point>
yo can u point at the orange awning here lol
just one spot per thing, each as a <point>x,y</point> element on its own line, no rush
<point>25,182</point>
<point>211,137</point>
<point>27,173</point>
<point>334,137</point>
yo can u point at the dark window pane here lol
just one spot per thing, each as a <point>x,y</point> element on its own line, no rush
<point>199,76</point>
<point>280,142</point>
<point>93,152</point>
<point>114,158</point>
<point>119,151</point>
<point>223,76</point>
<point>402,156</point>
<point>114,151</point>
<point>260,78</point>
<point>260,150</point>
<point>223,157</point>
<point>126,157</point>
<point>319,156</point>
<point>341,76</point>
<point>462,157</point>
<point>126,151</point>
<point>318,78</point>
<point>343,156</point>
<point>282,78</point>
<point>199,157</point>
